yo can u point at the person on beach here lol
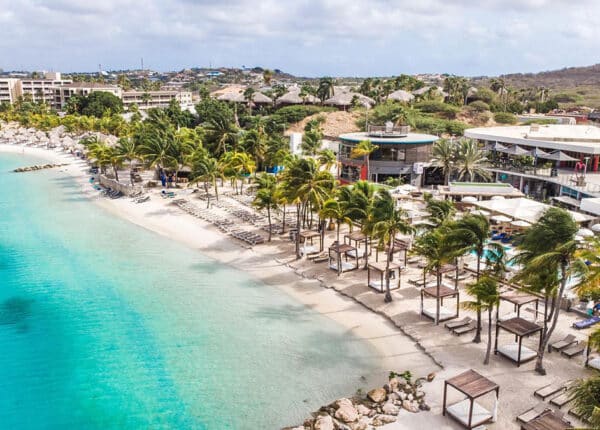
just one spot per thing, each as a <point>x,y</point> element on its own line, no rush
<point>163,179</point>
<point>170,180</point>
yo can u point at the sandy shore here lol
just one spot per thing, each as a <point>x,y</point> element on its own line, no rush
<point>346,301</point>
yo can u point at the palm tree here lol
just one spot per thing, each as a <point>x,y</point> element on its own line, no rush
<point>487,296</point>
<point>585,395</point>
<point>327,159</point>
<point>470,234</point>
<point>386,222</point>
<point>364,149</point>
<point>549,247</point>
<point>207,170</point>
<point>249,96</point>
<point>338,211</point>
<point>325,89</point>
<point>127,150</point>
<point>441,211</point>
<point>311,143</point>
<point>444,157</point>
<point>267,76</point>
<point>255,143</point>
<point>146,98</point>
<point>437,250</point>
<point>470,160</point>
<point>266,197</point>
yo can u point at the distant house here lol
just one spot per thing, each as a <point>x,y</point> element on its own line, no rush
<point>214,74</point>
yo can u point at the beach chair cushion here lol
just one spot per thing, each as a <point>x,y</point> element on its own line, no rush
<point>465,329</point>
<point>561,400</point>
<point>566,342</point>
<point>549,390</point>
<point>586,323</point>
<point>532,413</point>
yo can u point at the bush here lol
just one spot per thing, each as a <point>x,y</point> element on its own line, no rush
<point>484,94</point>
<point>443,110</point>
<point>479,106</point>
<point>540,121</point>
<point>505,118</point>
<point>291,114</point>
<point>439,126</point>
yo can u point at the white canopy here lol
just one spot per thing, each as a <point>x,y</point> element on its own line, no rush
<point>520,223</point>
<point>498,197</point>
<point>469,199</point>
<point>524,209</point>
<point>585,232</point>
<point>596,228</point>
<point>501,218</point>
<point>480,212</point>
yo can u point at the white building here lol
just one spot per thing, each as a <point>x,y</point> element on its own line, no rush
<point>155,99</point>
<point>65,92</point>
<point>10,90</point>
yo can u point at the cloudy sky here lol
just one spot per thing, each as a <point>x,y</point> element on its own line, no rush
<point>304,37</point>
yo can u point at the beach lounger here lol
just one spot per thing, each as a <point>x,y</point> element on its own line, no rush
<point>561,400</point>
<point>456,324</point>
<point>566,342</point>
<point>549,390</point>
<point>465,329</point>
<point>321,259</point>
<point>586,323</point>
<point>532,413</point>
<point>574,350</point>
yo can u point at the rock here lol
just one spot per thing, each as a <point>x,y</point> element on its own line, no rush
<point>390,409</point>
<point>392,397</point>
<point>409,397</point>
<point>401,382</point>
<point>410,406</point>
<point>401,395</point>
<point>424,407</point>
<point>419,394</point>
<point>385,419</point>
<point>324,422</point>
<point>393,384</point>
<point>378,395</point>
<point>363,410</point>
<point>346,411</point>
<point>361,424</point>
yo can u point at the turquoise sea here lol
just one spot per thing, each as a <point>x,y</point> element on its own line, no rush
<point>104,325</point>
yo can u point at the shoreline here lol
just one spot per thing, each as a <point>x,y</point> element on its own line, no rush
<point>396,349</point>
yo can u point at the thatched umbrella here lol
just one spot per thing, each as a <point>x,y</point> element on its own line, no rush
<point>257,98</point>
<point>292,97</point>
<point>401,96</point>
<point>344,99</point>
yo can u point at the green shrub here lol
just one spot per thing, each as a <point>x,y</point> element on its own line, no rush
<point>479,106</point>
<point>443,110</point>
<point>505,118</point>
<point>291,114</point>
<point>540,121</point>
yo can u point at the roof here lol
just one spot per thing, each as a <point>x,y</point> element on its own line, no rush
<point>518,298</point>
<point>309,234</point>
<point>357,235</point>
<point>575,138</point>
<point>524,209</point>
<point>292,97</point>
<point>381,265</point>
<point>238,97</point>
<point>90,85</point>
<point>472,384</point>
<point>483,189</point>
<point>401,96</point>
<point>444,291</point>
<point>410,138</point>
<point>519,326</point>
<point>341,248</point>
<point>343,97</point>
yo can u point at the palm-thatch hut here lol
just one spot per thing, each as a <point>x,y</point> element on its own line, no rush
<point>401,96</point>
<point>238,97</point>
<point>343,99</point>
<point>292,97</point>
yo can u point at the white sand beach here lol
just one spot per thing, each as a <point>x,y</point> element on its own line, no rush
<point>391,328</point>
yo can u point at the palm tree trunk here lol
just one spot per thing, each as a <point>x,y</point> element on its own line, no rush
<point>269,218</point>
<point>477,338</point>
<point>298,232</point>
<point>539,362</point>
<point>207,195</point>
<point>216,190</point>
<point>489,345</point>
<point>116,173</point>
<point>283,221</point>
<point>437,293</point>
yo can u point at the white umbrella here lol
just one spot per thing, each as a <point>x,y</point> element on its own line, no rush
<point>480,212</point>
<point>469,199</point>
<point>497,198</point>
<point>585,232</point>
<point>596,228</point>
<point>519,223</point>
<point>501,218</point>
<point>579,238</point>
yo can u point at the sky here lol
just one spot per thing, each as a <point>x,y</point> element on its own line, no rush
<point>302,37</point>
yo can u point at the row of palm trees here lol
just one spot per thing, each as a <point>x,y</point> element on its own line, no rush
<point>461,158</point>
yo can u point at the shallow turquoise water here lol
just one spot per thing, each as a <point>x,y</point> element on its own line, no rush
<point>104,325</point>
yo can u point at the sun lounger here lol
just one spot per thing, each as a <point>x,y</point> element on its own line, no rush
<point>549,390</point>
<point>586,323</point>
<point>561,400</point>
<point>456,324</point>
<point>566,342</point>
<point>321,258</point>
<point>465,329</point>
<point>532,413</point>
<point>574,350</point>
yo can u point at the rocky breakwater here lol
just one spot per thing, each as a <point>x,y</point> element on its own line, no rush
<point>37,167</point>
<point>380,406</point>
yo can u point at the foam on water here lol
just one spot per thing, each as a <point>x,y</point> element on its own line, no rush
<point>104,325</point>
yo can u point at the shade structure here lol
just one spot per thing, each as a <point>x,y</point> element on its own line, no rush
<point>495,147</point>
<point>501,218</point>
<point>401,96</point>
<point>596,228</point>
<point>515,150</point>
<point>469,199</point>
<point>524,209</point>
<point>558,156</point>
<point>480,212</point>
<point>538,153</point>
<point>585,232</point>
<point>520,223</point>
<point>498,197</point>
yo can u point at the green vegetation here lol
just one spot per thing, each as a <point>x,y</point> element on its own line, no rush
<point>505,118</point>
<point>97,104</point>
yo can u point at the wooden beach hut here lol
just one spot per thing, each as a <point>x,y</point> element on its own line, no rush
<point>516,351</point>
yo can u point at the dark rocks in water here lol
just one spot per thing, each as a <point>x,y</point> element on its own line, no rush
<point>14,310</point>
<point>37,167</point>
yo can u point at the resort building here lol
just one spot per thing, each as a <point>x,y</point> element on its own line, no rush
<point>64,92</point>
<point>400,154</point>
<point>155,99</point>
<point>545,161</point>
<point>44,90</point>
<point>10,90</point>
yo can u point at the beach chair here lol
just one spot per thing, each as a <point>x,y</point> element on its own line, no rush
<point>586,323</point>
<point>574,350</point>
<point>549,390</point>
<point>321,258</point>
<point>465,329</point>
<point>564,343</point>
<point>561,400</point>
<point>456,324</point>
<point>532,413</point>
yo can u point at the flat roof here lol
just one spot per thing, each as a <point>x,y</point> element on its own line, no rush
<point>575,138</point>
<point>472,383</point>
<point>410,138</point>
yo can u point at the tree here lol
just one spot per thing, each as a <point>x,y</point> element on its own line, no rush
<point>267,76</point>
<point>364,149</point>
<point>470,234</point>
<point>470,161</point>
<point>266,197</point>
<point>99,103</point>
<point>327,158</point>
<point>207,170</point>
<point>127,150</point>
<point>312,141</point>
<point>254,141</point>
<point>441,211</point>
<point>337,210</point>
<point>549,247</point>
<point>444,154</point>
<point>387,221</point>
<point>487,296</point>
<point>325,89</point>
<point>585,395</point>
